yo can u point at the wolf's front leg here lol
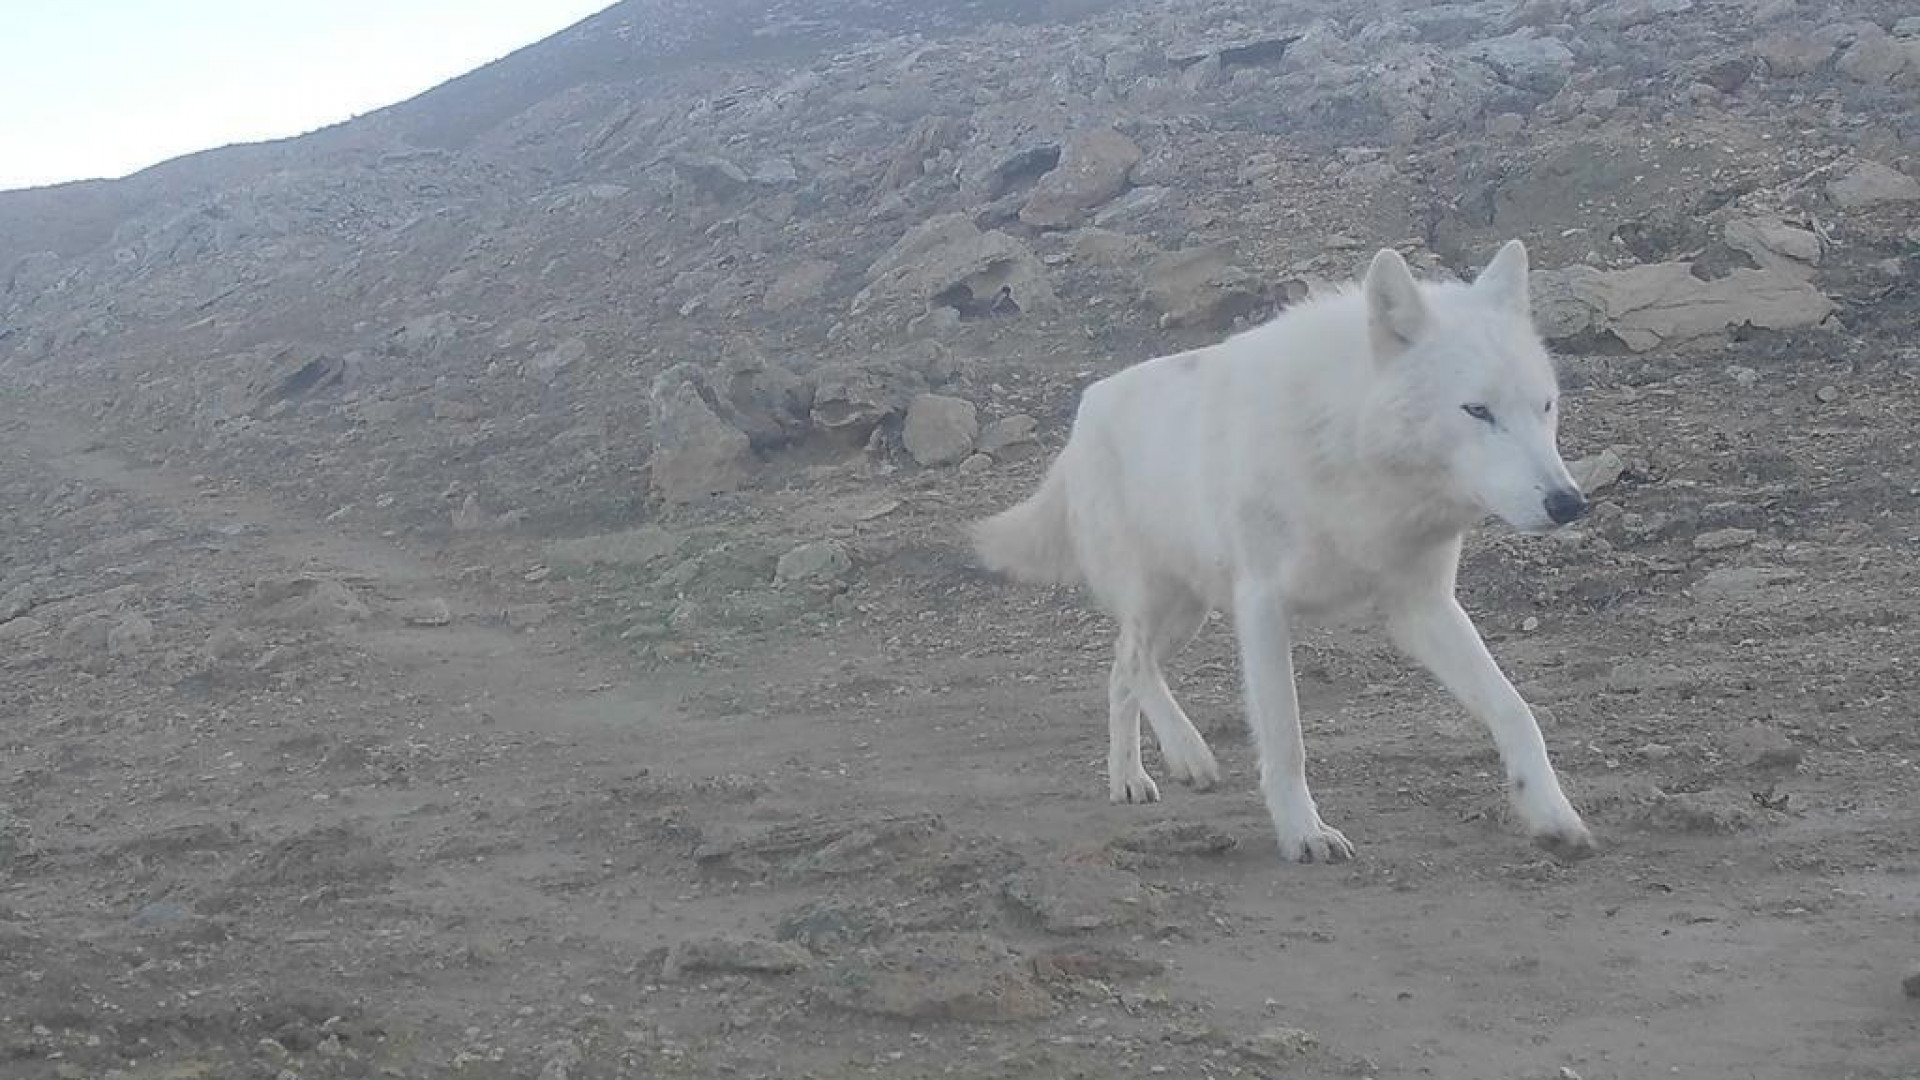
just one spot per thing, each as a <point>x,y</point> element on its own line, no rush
<point>1273,710</point>
<point>1436,632</point>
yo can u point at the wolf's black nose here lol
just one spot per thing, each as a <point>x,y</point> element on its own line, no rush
<point>1566,504</point>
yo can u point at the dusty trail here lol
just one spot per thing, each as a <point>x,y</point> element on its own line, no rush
<point>475,843</point>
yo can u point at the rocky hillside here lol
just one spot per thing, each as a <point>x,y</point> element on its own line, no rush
<point>499,268</point>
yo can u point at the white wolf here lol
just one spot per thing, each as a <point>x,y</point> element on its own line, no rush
<point>1330,460</point>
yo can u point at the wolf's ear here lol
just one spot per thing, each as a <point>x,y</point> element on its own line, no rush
<point>1504,281</point>
<point>1395,311</point>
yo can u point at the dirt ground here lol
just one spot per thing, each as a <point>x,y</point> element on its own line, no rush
<point>328,807</point>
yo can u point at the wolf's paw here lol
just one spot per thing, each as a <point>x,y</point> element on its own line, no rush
<point>1568,843</point>
<point>1319,842</point>
<point>1192,763</point>
<point>1134,787</point>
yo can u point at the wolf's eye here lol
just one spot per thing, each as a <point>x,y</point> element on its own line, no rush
<point>1549,406</point>
<point>1478,412</point>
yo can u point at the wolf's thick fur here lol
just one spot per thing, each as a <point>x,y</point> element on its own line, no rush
<point>1330,460</point>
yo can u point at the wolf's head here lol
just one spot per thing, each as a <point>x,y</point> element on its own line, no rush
<point>1466,393</point>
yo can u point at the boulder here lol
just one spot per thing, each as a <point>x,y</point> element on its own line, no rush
<point>1662,305</point>
<point>696,454</point>
<point>1093,170</point>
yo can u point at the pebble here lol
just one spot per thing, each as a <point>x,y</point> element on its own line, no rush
<point>1724,539</point>
<point>429,612</point>
<point>1828,394</point>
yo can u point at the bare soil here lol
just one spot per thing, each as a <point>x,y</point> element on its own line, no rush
<point>280,838</point>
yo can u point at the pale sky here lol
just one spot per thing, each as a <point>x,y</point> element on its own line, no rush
<point>102,88</point>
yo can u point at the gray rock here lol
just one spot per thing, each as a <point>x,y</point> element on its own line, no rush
<point>1597,472</point>
<point>1773,244</point>
<point>470,516</point>
<point>1093,170</point>
<point>817,564</point>
<point>1627,14</point>
<point>432,611</point>
<point>301,600</point>
<point>1663,304</point>
<point>940,430</point>
<point>1525,60</point>
<point>1201,288</point>
<point>633,548</point>
<point>947,262</point>
<point>726,952</point>
<point>527,616</point>
<point>850,400</point>
<point>18,601</point>
<point>803,283</point>
<point>562,1059</point>
<point>1790,54</point>
<point>1135,205</point>
<point>1009,437</point>
<point>1869,184</point>
<point>132,634</point>
<point>696,454</point>
<point>1281,1043</point>
<point>1876,58</point>
<point>552,363</point>
<point>1724,539</point>
<point>1175,838</point>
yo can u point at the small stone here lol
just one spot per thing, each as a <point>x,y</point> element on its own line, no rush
<point>25,626</point>
<point>1280,1043</point>
<point>975,464</point>
<point>1529,624</point>
<point>729,953</point>
<point>130,635</point>
<point>562,1059</point>
<point>1791,54</point>
<point>18,601</point>
<point>1598,472</point>
<point>1007,434</point>
<point>159,913</point>
<point>1828,394</point>
<point>1723,539</point>
<point>432,611</point>
<point>469,516</point>
<point>1506,125</point>
<point>1176,838</point>
<point>527,616</point>
<point>940,430</point>
<point>815,564</point>
<point>1567,1074</point>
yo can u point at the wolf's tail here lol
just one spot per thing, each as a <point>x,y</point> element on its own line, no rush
<point>1032,541</point>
